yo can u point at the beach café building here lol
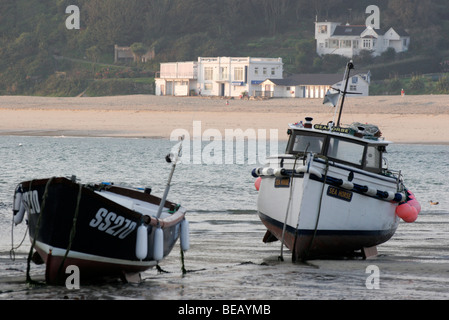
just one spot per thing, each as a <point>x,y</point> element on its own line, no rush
<point>217,76</point>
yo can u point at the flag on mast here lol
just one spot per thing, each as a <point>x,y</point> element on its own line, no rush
<point>331,97</point>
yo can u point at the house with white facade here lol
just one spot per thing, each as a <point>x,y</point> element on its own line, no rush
<point>314,85</point>
<point>349,40</point>
<point>217,76</point>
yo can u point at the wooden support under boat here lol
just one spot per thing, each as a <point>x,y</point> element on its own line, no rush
<point>369,252</point>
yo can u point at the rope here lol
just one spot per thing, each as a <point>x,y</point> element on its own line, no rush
<point>319,212</point>
<point>12,254</point>
<point>36,231</point>
<point>73,230</point>
<point>281,256</point>
<point>183,269</point>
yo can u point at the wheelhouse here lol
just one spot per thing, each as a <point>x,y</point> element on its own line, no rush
<point>365,154</point>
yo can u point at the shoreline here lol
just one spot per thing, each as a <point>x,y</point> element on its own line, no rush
<point>409,120</point>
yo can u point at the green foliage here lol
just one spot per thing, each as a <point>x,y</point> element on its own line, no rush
<point>110,87</point>
<point>33,32</point>
<point>443,85</point>
<point>416,84</point>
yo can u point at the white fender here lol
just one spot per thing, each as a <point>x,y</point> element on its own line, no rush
<point>185,241</point>
<point>391,195</point>
<point>347,185</point>
<point>278,172</point>
<point>18,217</point>
<point>267,171</point>
<point>371,192</point>
<point>314,171</point>
<point>158,244</point>
<point>301,169</point>
<point>142,242</point>
<point>18,208</point>
<point>310,170</point>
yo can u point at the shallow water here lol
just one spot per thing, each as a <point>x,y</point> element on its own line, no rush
<point>227,259</point>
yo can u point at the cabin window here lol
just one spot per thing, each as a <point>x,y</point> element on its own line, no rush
<point>373,160</point>
<point>307,143</point>
<point>346,151</point>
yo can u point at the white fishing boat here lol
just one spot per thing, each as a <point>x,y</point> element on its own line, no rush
<point>332,193</point>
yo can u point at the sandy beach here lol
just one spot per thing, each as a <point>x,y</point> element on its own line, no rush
<point>408,119</point>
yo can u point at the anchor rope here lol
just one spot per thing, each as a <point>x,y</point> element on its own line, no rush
<point>12,254</point>
<point>319,210</point>
<point>37,229</point>
<point>281,256</point>
<point>73,230</point>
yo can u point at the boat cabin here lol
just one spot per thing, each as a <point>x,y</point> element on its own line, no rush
<point>340,145</point>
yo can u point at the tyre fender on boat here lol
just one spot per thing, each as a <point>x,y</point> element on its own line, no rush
<point>18,207</point>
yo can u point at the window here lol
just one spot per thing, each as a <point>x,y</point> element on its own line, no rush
<point>355,79</point>
<point>355,44</point>
<point>322,29</point>
<point>366,43</point>
<point>345,43</point>
<point>352,87</point>
<point>208,73</point>
<point>238,73</point>
<point>264,71</point>
<point>345,151</point>
<point>224,73</point>
<point>273,71</point>
<point>307,143</point>
<point>373,159</point>
<point>256,70</point>
<point>208,86</point>
<point>334,44</point>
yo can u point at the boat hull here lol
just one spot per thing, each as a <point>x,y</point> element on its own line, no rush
<point>322,244</point>
<point>315,218</point>
<point>71,224</point>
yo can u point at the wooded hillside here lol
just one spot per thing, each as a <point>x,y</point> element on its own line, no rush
<point>39,55</point>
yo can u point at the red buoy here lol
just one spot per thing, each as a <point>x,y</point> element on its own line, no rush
<point>406,212</point>
<point>257,183</point>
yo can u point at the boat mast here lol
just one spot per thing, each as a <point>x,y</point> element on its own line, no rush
<point>349,66</point>
<point>167,188</point>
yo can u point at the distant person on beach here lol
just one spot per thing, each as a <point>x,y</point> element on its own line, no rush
<point>402,93</point>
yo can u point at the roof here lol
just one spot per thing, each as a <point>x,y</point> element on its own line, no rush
<point>357,30</point>
<point>401,32</point>
<point>309,79</point>
<point>317,79</point>
<point>347,30</point>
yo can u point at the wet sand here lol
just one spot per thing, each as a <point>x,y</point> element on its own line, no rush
<point>409,119</point>
<point>229,262</point>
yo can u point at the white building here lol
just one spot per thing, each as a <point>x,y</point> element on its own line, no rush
<point>314,85</point>
<point>350,40</point>
<point>217,76</point>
